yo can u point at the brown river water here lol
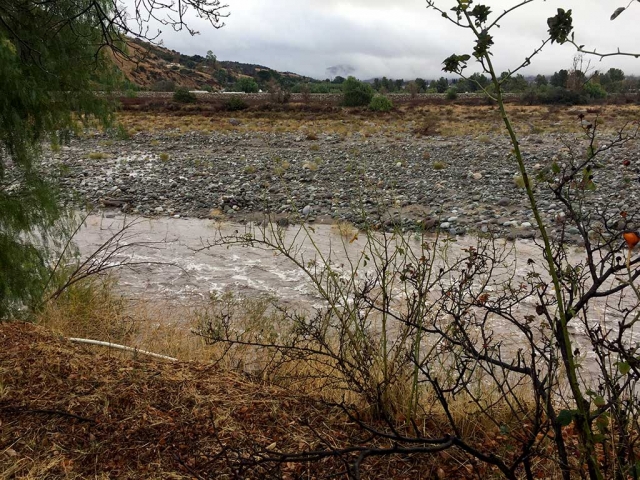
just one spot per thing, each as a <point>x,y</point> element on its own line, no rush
<point>171,265</point>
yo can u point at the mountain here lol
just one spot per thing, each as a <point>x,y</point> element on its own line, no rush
<point>155,67</point>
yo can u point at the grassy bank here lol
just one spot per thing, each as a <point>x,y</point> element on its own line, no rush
<point>75,411</point>
<point>446,120</point>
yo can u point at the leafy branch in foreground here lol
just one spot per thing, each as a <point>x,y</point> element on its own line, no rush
<point>54,57</point>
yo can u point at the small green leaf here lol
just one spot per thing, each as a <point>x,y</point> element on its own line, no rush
<point>599,401</point>
<point>623,367</point>
<point>565,417</point>
<point>555,168</point>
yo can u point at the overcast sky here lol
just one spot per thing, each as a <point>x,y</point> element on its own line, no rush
<point>401,38</point>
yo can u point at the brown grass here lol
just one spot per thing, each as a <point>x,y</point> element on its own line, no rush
<point>448,120</point>
<point>69,411</point>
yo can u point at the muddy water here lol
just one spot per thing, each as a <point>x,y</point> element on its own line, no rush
<point>172,259</point>
<point>168,261</point>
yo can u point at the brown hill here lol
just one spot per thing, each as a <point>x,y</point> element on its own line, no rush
<point>154,67</point>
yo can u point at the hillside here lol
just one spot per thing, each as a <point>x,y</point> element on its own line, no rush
<point>154,67</point>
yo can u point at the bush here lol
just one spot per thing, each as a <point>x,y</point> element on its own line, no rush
<point>183,95</point>
<point>594,90</point>
<point>246,85</point>
<point>452,94</point>
<point>380,103</point>
<point>235,104</point>
<point>559,95</point>
<point>356,93</point>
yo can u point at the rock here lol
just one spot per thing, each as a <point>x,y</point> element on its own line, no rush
<point>158,209</point>
<point>476,176</point>
<point>525,225</point>
<point>503,202</point>
<point>235,122</point>
<point>445,225</point>
<point>307,210</point>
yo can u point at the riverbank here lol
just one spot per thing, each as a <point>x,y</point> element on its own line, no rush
<point>379,171</point>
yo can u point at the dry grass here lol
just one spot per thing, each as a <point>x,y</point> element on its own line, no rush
<point>97,156</point>
<point>446,120</point>
<point>94,310</point>
<point>136,417</point>
<point>345,229</point>
<point>67,412</point>
<point>439,165</point>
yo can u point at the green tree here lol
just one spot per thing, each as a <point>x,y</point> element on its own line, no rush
<point>616,75</point>
<point>442,85</point>
<point>541,81</point>
<point>264,76</point>
<point>53,58</point>
<point>515,83</point>
<point>43,81</point>
<point>212,60</point>
<point>247,85</point>
<point>559,79</point>
<point>422,84</point>
<point>356,93</point>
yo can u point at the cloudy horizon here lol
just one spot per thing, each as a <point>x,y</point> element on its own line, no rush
<point>369,38</point>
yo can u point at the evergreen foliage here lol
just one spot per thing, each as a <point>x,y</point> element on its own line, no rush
<point>247,85</point>
<point>356,93</point>
<point>380,103</point>
<point>183,95</point>
<point>46,87</point>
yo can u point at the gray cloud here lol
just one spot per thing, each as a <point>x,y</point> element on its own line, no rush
<point>400,39</point>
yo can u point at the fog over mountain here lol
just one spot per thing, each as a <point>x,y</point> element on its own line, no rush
<point>400,39</point>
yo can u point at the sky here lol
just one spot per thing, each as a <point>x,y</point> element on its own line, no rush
<point>401,38</point>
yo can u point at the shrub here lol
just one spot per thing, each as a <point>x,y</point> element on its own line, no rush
<point>380,103</point>
<point>235,104</point>
<point>356,93</point>
<point>594,90</point>
<point>452,94</point>
<point>246,85</point>
<point>439,165</point>
<point>182,95</point>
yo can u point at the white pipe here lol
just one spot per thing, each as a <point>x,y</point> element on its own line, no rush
<point>121,347</point>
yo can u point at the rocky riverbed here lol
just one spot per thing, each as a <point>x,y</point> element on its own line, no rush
<point>461,184</point>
